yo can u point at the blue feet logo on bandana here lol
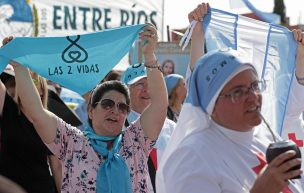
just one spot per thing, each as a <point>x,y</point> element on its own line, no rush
<point>74,52</point>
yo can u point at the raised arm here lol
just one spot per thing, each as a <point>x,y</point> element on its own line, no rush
<point>56,168</point>
<point>2,87</point>
<point>299,37</point>
<point>197,43</point>
<point>44,121</point>
<point>2,96</point>
<point>153,117</point>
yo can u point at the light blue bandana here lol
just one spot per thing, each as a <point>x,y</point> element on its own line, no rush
<point>76,62</point>
<point>113,175</point>
<point>267,17</point>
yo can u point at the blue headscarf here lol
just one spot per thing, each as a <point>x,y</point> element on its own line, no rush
<point>211,73</point>
<point>171,81</point>
<point>113,175</point>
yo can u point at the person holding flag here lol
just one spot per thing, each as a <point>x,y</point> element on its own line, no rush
<point>33,166</point>
<point>102,158</point>
<point>219,143</point>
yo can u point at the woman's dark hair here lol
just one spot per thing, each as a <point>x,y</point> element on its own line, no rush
<point>100,90</point>
<point>5,77</point>
<point>112,75</point>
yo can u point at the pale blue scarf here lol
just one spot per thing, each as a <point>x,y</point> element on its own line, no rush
<point>76,62</point>
<point>113,175</point>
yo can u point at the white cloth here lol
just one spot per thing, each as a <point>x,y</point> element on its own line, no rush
<point>187,77</point>
<point>293,124</point>
<point>193,119</point>
<point>216,160</point>
<point>271,49</point>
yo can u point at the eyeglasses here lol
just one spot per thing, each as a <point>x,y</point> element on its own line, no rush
<point>109,104</point>
<point>240,93</point>
<point>140,85</point>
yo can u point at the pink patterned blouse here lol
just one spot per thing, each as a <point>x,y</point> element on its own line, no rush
<point>80,162</point>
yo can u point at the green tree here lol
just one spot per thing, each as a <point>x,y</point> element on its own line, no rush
<point>279,8</point>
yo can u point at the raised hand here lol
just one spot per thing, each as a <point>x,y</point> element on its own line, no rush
<point>197,44</point>
<point>199,12</point>
<point>6,40</point>
<point>299,37</point>
<point>149,39</point>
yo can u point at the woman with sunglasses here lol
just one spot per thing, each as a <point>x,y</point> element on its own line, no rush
<point>103,158</point>
<point>24,158</point>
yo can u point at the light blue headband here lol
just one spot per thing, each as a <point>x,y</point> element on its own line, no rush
<point>76,62</point>
<point>171,81</point>
<point>210,74</point>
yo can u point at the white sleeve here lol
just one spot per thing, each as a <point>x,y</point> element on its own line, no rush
<point>164,138</point>
<point>295,105</point>
<point>185,171</point>
<point>188,76</point>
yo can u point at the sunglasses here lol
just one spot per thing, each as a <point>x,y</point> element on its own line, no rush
<point>109,104</point>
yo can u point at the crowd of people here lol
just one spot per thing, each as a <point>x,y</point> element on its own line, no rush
<point>130,140</point>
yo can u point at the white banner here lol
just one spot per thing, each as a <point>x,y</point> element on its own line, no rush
<point>71,17</point>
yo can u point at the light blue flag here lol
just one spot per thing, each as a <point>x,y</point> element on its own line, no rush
<point>16,18</point>
<point>21,10</point>
<point>267,17</point>
<point>270,48</point>
<point>76,62</point>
